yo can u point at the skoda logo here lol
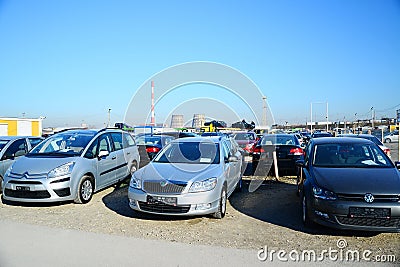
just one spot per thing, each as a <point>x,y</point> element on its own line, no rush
<point>164,183</point>
<point>369,198</point>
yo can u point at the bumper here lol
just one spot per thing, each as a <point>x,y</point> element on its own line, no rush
<point>187,204</point>
<point>336,214</point>
<point>38,190</point>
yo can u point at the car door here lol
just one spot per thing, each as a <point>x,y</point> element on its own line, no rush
<point>121,171</point>
<point>229,167</point>
<point>131,151</point>
<point>16,149</point>
<point>106,161</point>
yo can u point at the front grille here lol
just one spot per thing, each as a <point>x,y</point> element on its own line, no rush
<point>28,175</point>
<point>377,198</point>
<point>373,222</point>
<point>160,207</point>
<point>27,194</point>
<point>63,192</point>
<point>24,182</point>
<point>156,187</point>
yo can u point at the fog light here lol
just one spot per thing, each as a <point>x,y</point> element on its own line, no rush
<point>321,214</point>
<point>132,202</point>
<point>203,206</point>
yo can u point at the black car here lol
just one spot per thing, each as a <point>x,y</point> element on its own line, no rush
<point>179,134</point>
<point>321,134</point>
<point>288,151</point>
<point>349,183</point>
<point>149,145</point>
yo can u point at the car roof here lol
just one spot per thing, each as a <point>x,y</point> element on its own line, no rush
<point>215,139</point>
<point>342,140</point>
<point>10,138</point>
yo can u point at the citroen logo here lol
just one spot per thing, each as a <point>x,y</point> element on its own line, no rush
<point>369,198</point>
<point>25,175</point>
<point>164,183</point>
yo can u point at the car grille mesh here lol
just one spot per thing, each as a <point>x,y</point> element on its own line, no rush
<point>373,222</point>
<point>27,194</point>
<point>160,207</point>
<point>158,187</point>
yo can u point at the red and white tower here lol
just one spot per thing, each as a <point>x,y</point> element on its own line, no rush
<point>153,120</point>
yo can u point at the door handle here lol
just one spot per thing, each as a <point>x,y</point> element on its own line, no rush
<point>114,157</point>
<point>128,153</point>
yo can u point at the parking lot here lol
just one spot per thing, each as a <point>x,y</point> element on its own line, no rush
<point>269,217</point>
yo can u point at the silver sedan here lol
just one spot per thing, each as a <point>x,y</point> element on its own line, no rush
<point>190,176</point>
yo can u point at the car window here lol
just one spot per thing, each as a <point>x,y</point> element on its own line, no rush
<point>350,155</point>
<point>3,143</point>
<point>16,149</point>
<point>128,140</point>
<point>104,143</point>
<point>91,152</point>
<point>117,140</point>
<point>190,153</point>
<point>34,141</point>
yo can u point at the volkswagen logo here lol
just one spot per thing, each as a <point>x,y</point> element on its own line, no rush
<point>164,183</point>
<point>369,198</point>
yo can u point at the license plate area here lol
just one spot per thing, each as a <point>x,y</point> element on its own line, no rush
<point>172,201</point>
<point>357,212</point>
<point>22,188</point>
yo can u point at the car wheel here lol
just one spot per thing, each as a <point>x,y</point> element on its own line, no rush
<point>134,167</point>
<point>387,140</point>
<point>222,206</point>
<point>305,217</point>
<point>85,190</point>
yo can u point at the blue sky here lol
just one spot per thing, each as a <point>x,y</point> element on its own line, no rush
<point>73,60</point>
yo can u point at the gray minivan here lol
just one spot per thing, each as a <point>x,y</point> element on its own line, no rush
<point>72,165</point>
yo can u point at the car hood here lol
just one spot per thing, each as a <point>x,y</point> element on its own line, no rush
<point>38,165</point>
<point>359,180</point>
<point>179,172</point>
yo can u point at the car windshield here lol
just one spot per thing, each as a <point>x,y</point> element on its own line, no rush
<point>148,140</point>
<point>66,143</point>
<point>190,152</point>
<point>350,155</point>
<point>3,143</point>
<point>244,136</point>
<point>278,140</point>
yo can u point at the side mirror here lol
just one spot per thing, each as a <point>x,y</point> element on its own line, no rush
<point>103,154</point>
<point>397,164</point>
<point>8,156</point>
<point>233,159</point>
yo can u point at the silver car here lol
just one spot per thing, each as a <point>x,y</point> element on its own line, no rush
<point>13,147</point>
<point>72,165</point>
<point>190,176</point>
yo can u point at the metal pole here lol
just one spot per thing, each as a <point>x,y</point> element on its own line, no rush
<point>327,120</point>
<point>109,117</point>
<point>398,144</point>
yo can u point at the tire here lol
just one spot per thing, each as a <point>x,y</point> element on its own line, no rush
<point>134,168</point>
<point>305,210</point>
<point>220,213</point>
<point>85,190</point>
<point>387,140</point>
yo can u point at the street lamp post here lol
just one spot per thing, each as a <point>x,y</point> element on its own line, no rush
<point>109,117</point>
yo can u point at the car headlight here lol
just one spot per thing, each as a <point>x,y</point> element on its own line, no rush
<point>203,186</point>
<point>323,194</point>
<point>61,170</point>
<point>135,182</point>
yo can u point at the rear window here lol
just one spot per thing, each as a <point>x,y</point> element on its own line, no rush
<point>279,140</point>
